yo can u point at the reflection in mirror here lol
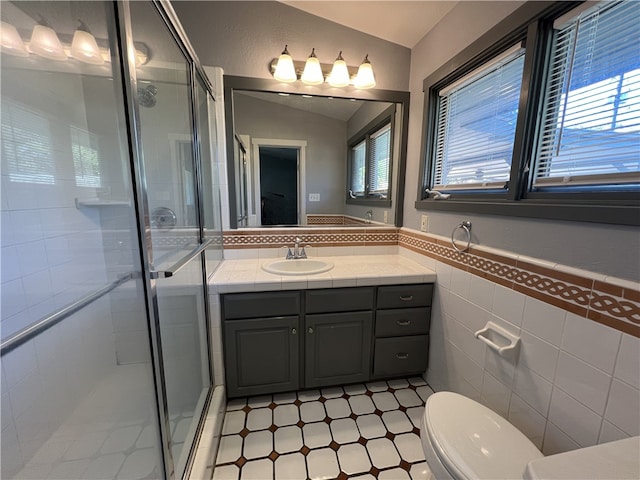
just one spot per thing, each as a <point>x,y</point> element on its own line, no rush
<point>290,160</point>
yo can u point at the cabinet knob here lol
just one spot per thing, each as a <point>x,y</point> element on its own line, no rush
<point>293,331</point>
<point>310,330</point>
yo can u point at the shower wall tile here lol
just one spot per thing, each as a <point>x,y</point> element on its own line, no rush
<point>623,407</point>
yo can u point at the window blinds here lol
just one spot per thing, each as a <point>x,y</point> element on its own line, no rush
<point>476,122</point>
<point>358,169</point>
<point>590,131</point>
<point>378,175</point>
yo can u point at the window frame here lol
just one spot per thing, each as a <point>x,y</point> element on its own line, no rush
<point>387,117</point>
<point>531,24</point>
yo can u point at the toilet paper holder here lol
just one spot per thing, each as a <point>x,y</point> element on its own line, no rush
<point>498,339</point>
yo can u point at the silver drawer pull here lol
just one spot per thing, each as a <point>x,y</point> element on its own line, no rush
<point>406,298</point>
<point>402,356</point>
<point>293,331</point>
<point>403,323</point>
<point>310,330</point>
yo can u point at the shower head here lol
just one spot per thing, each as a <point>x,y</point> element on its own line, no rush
<point>147,96</point>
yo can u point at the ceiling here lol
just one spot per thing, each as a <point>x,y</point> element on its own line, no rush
<point>401,22</point>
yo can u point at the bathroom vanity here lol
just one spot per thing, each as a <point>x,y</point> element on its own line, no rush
<point>278,341</point>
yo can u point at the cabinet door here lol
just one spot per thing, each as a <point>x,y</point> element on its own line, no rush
<point>261,355</point>
<point>337,348</point>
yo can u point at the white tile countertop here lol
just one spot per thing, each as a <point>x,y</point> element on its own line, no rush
<point>247,275</point>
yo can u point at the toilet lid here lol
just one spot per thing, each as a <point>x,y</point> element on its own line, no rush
<point>474,442</point>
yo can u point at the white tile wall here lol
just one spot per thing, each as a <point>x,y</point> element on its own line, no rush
<point>574,382</point>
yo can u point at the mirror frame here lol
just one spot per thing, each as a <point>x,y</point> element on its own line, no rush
<point>232,83</point>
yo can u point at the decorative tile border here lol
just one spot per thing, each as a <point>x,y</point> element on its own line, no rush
<point>615,306</point>
<point>318,237</point>
<point>611,302</point>
<point>313,219</point>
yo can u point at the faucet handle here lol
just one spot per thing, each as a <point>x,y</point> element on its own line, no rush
<point>289,253</point>
<point>302,253</point>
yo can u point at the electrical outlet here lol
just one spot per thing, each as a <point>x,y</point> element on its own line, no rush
<point>314,197</point>
<point>385,216</point>
<point>424,223</point>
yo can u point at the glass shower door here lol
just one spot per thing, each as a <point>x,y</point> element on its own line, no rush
<point>175,242</point>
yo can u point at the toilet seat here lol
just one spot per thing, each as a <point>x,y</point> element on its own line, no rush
<point>473,442</point>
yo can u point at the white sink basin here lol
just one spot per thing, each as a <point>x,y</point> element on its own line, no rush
<point>301,266</point>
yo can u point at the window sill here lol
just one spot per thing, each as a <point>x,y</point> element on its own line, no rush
<point>371,202</point>
<point>615,214</point>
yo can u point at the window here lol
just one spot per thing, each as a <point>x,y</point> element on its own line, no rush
<point>26,145</point>
<point>476,123</point>
<point>370,161</point>
<point>544,122</point>
<point>86,158</point>
<point>591,118</point>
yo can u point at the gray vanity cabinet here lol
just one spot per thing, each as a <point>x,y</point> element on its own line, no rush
<point>401,344</point>
<point>261,342</point>
<point>338,331</point>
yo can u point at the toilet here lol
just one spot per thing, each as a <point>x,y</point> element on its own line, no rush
<point>463,440</point>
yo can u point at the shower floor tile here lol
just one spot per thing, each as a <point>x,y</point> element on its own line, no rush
<point>356,431</point>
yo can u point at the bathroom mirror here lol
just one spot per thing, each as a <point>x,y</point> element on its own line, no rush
<point>300,140</point>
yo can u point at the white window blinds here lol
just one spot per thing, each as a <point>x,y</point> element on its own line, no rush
<point>358,158</point>
<point>590,132</point>
<point>380,159</point>
<point>476,122</point>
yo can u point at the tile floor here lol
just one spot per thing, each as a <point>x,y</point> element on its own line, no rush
<point>365,431</point>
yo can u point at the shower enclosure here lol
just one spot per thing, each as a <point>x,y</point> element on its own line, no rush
<point>110,223</point>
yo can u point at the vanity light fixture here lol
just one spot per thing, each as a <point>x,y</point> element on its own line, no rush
<point>84,46</point>
<point>285,71</point>
<point>312,74</point>
<point>45,42</point>
<point>11,42</point>
<point>365,77</point>
<point>339,76</point>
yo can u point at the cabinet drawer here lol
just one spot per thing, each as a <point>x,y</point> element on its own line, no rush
<point>262,304</point>
<point>339,300</point>
<point>402,321</point>
<point>400,296</point>
<point>400,355</point>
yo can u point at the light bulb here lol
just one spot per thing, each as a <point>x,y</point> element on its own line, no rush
<point>45,42</point>
<point>285,71</point>
<point>339,76</point>
<point>11,41</point>
<point>312,74</point>
<point>85,48</point>
<point>365,78</point>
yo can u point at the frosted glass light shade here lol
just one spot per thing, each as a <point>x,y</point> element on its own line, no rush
<point>312,74</point>
<point>365,78</point>
<point>285,71</point>
<point>45,42</point>
<point>11,41</point>
<point>339,76</point>
<point>85,48</point>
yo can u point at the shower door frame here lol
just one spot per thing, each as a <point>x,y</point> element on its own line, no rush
<point>129,76</point>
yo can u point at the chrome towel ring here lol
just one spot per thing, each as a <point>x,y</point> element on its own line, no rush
<point>466,226</point>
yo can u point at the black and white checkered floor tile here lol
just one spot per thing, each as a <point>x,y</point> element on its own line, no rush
<point>364,431</point>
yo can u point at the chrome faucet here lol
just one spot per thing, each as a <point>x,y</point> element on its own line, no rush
<point>369,216</point>
<point>297,251</point>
